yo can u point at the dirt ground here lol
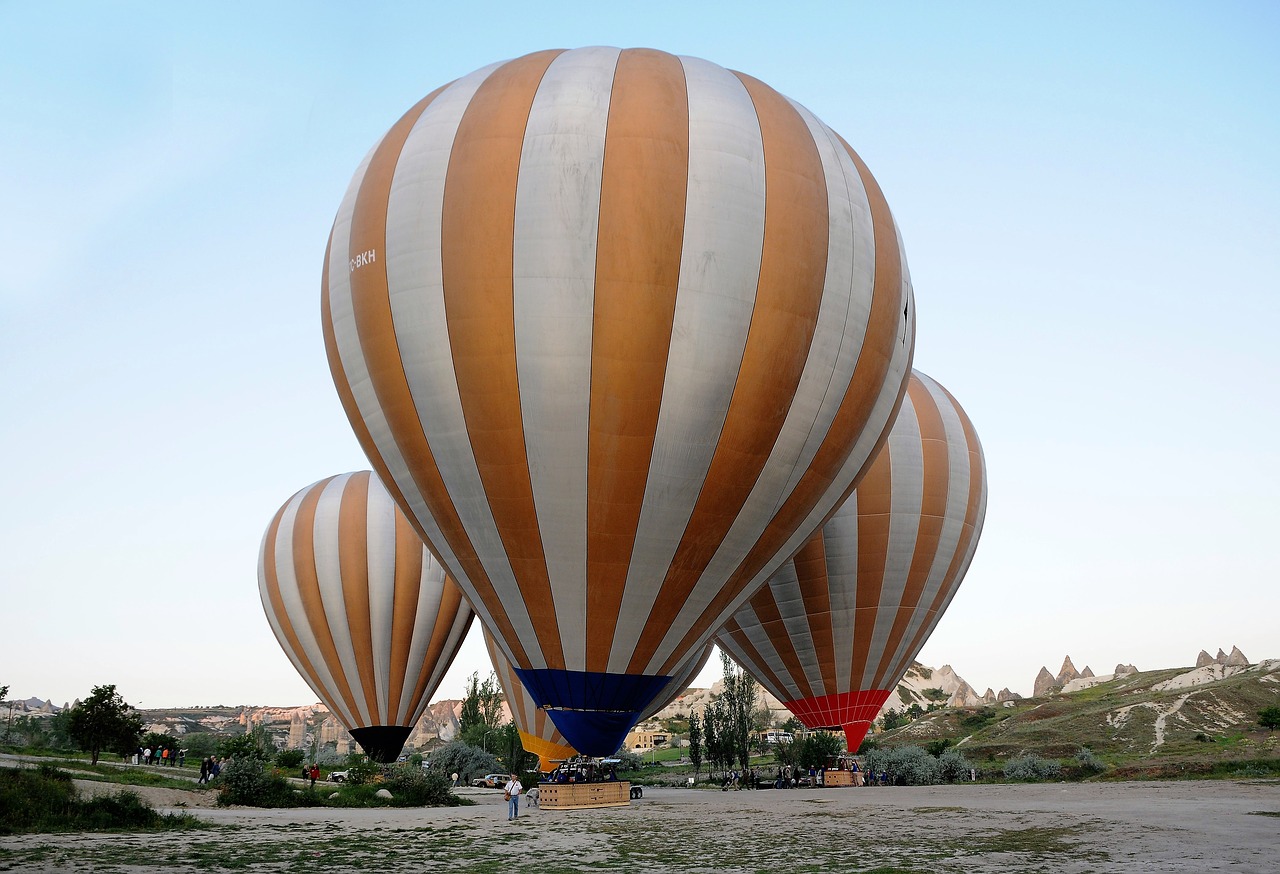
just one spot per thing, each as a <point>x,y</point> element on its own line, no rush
<point>1132,827</point>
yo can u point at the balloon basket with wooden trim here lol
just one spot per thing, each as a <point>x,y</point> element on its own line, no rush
<point>584,796</point>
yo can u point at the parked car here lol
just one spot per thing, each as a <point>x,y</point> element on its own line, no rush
<point>491,781</point>
<point>338,776</point>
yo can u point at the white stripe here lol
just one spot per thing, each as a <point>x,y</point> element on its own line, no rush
<point>325,546</point>
<point>380,528</point>
<point>906,470</point>
<point>430,595</point>
<point>415,280</point>
<point>557,215</point>
<point>840,541</point>
<point>719,269</point>
<point>286,576</point>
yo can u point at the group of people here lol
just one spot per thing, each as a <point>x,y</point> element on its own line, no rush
<point>311,772</point>
<point>160,756</point>
<point>210,767</point>
<point>585,772</point>
<point>748,779</point>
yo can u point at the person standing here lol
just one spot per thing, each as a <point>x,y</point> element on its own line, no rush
<point>511,792</point>
<point>314,773</point>
<point>204,770</point>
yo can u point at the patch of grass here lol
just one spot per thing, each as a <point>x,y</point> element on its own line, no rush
<point>43,800</point>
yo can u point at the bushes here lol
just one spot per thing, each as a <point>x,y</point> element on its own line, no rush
<point>246,781</point>
<point>465,760</point>
<point>416,787</point>
<point>44,800</point>
<point>953,766</point>
<point>1031,768</point>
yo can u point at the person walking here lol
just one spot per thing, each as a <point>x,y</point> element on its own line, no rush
<point>511,792</point>
<point>314,774</point>
<point>204,770</point>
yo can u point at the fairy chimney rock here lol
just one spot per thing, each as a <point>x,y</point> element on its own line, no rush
<point>1067,673</point>
<point>1221,658</point>
<point>1087,672</point>
<point>1044,682</point>
<point>1006,695</point>
<point>1237,659</point>
<point>1204,659</point>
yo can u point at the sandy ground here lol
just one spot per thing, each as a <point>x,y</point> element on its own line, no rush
<point>1131,827</point>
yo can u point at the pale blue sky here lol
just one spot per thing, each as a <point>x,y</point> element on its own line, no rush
<point>1087,192</point>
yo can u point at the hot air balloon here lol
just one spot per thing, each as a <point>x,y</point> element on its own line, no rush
<point>361,608</point>
<point>836,627</point>
<point>538,734</point>
<point>617,329</point>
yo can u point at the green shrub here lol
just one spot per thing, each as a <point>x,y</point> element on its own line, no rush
<point>290,760</point>
<point>906,766</point>
<point>1031,768</point>
<point>247,781</point>
<point>953,766</point>
<point>44,799</point>
<point>465,760</point>
<point>416,787</point>
<point>1088,763</point>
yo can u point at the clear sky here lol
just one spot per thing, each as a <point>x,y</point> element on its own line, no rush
<point>1087,192</point>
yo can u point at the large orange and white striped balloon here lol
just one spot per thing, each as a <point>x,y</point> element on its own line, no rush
<point>617,329</point>
<point>362,609</point>
<point>837,626</point>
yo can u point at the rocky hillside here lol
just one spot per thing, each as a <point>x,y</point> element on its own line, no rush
<point>1171,719</point>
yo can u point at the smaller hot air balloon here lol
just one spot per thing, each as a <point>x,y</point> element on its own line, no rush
<point>835,629</point>
<point>362,609</point>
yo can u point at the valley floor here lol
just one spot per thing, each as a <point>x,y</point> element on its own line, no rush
<point>1191,826</point>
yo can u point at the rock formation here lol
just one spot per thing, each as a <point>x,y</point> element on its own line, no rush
<point>1044,684</point>
<point>1204,659</point>
<point>1121,670</point>
<point>1067,673</point>
<point>1236,659</point>
<point>1005,695</point>
<point>1087,672</point>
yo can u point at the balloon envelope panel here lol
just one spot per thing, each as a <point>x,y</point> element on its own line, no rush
<point>361,608</point>
<point>618,329</point>
<point>835,629</point>
<point>538,734</point>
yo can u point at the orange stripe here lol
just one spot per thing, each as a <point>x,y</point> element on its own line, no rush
<point>477,233</point>
<point>404,613</point>
<point>868,381</point>
<point>304,568</point>
<point>875,505</point>
<point>954,571</point>
<point>372,304</point>
<point>815,588</point>
<point>642,202</point>
<point>774,628</point>
<point>281,615</point>
<point>935,476</point>
<point>793,268</point>
<point>353,562</point>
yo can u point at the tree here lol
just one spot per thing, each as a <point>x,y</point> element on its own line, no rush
<point>481,709</point>
<point>103,721</point>
<point>506,740</point>
<point>1269,717</point>
<point>892,719</point>
<point>695,742</point>
<point>739,701</point>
